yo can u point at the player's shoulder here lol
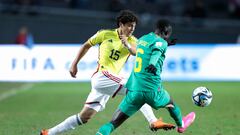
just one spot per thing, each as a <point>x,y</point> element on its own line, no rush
<point>102,33</point>
<point>107,31</point>
<point>160,42</point>
<point>151,37</point>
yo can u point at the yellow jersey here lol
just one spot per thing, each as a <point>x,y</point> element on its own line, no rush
<point>112,53</point>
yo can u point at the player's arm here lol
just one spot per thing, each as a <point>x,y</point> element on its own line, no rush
<point>172,42</point>
<point>130,46</point>
<point>95,39</point>
<point>83,50</point>
<point>157,50</point>
<point>156,53</point>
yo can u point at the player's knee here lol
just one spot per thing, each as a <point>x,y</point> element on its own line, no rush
<point>170,104</point>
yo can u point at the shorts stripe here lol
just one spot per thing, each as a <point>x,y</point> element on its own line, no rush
<point>112,77</point>
<point>95,102</point>
<point>115,93</point>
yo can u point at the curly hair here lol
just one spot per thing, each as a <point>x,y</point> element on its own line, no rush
<point>163,26</point>
<point>126,16</point>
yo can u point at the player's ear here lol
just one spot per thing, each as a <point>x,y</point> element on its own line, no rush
<point>120,31</point>
<point>120,24</point>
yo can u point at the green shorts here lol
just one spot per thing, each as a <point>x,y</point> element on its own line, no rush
<point>134,100</point>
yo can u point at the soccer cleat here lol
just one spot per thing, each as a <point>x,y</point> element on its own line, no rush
<point>44,132</point>
<point>159,124</point>
<point>187,121</point>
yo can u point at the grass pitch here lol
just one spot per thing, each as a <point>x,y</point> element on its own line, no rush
<point>26,108</point>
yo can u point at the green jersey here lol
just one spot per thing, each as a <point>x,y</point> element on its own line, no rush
<point>151,49</point>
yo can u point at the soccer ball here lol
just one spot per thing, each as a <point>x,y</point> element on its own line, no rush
<point>202,96</point>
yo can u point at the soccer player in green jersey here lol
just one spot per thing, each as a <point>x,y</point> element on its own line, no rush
<point>144,84</point>
<point>115,46</point>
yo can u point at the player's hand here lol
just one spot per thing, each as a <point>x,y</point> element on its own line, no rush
<point>151,69</point>
<point>123,39</point>
<point>172,42</point>
<point>73,71</point>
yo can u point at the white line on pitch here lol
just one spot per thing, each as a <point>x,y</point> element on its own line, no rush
<point>15,91</point>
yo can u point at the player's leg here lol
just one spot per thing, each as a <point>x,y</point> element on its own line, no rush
<point>148,113</point>
<point>155,123</point>
<point>163,100</point>
<point>118,118</point>
<point>105,129</point>
<point>182,122</point>
<point>95,102</point>
<point>154,99</point>
<point>175,112</point>
<point>73,121</point>
<point>115,87</point>
<point>129,105</point>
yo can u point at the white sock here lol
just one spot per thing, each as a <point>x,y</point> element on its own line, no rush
<point>148,113</point>
<point>182,124</point>
<point>69,123</point>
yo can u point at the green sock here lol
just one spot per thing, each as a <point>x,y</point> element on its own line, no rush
<point>106,129</point>
<point>175,113</point>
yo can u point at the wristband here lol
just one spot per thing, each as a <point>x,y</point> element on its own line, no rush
<point>129,46</point>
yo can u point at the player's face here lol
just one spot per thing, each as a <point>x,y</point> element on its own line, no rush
<point>128,28</point>
<point>169,33</point>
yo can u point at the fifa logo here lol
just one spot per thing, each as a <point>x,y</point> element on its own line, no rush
<point>33,63</point>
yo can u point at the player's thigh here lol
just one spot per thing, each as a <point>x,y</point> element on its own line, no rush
<point>159,99</point>
<point>107,83</point>
<point>96,100</point>
<point>131,103</point>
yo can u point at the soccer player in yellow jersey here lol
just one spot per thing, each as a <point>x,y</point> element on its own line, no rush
<point>115,46</point>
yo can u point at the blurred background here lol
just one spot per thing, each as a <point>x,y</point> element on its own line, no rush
<point>73,21</point>
<point>40,38</point>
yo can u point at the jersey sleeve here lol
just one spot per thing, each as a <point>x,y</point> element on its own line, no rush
<point>96,38</point>
<point>158,49</point>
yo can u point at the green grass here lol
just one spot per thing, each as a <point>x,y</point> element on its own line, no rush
<point>46,104</point>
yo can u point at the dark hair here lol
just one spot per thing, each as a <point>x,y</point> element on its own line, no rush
<point>126,16</point>
<point>163,26</point>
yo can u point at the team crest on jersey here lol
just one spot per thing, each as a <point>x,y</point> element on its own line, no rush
<point>158,44</point>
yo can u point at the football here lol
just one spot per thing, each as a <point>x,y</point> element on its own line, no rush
<point>202,96</point>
